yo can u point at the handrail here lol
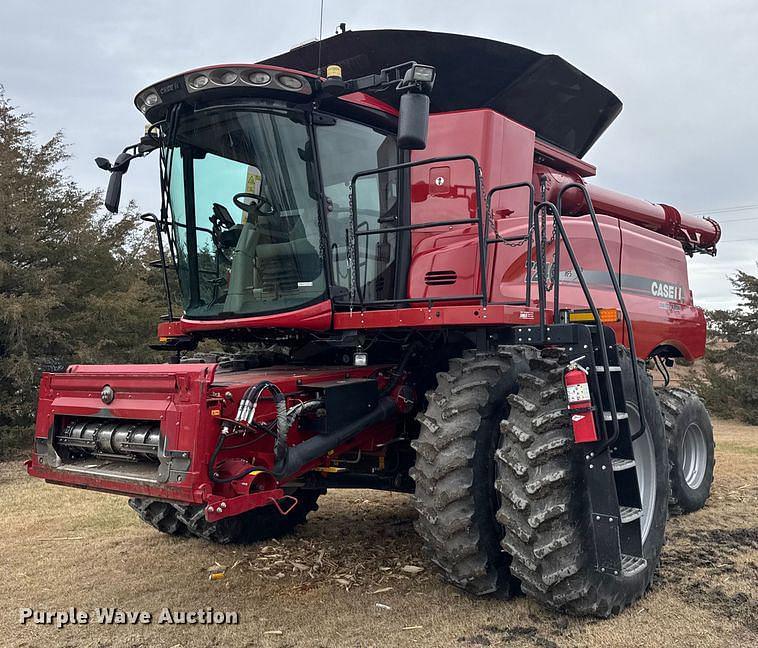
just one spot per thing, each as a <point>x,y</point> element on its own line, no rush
<point>619,296</point>
<point>530,220</point>
<point>548,206</point>
<point>151,218</point>
<point>481,221</point>
<point>410,227</point>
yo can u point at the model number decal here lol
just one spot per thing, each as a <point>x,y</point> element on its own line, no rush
<point>673,292</point>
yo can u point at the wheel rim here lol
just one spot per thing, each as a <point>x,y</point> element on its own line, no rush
<point>647,478</point>
<point>694,455</point>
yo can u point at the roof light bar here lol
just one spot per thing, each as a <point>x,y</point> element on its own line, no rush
<point>155,100</point>
<point>147,99</point>
<point>227,77</point>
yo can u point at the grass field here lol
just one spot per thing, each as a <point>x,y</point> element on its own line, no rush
<point>340,580</point>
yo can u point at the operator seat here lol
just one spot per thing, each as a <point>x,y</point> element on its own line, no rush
<point>284,257</point>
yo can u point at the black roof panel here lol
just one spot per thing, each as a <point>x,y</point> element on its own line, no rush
<point>564,106</point>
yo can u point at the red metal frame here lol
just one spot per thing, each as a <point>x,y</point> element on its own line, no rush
<point>190,402</point>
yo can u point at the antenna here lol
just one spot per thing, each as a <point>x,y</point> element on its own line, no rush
<point>320,32</point>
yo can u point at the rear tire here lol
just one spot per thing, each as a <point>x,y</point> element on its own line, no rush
<point>691,449</point>
<point>544,507</point>
<point>455,470</point>
<point>263,523</point>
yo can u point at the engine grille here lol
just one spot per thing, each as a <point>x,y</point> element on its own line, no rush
<point>441,277</point>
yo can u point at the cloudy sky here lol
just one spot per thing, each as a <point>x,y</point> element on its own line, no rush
<point>686,71</point>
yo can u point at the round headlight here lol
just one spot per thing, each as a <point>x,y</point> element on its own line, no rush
<point>198,81</point>
<point>259,78</point>
<point>293,83</point>
<point>151,99</point>
<point>223,77</point>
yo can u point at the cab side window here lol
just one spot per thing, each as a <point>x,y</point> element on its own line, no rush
<point>345,148</point>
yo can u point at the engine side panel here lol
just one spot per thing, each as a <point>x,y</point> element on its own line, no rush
<point>445,259</point>
<point>657,294</point>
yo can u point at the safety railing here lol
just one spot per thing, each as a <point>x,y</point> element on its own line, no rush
<point>627,322</point>
<point>480,222</point>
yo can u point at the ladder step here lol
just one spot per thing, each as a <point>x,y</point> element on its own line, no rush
<point>622,464</point>
<point>629,514</point>
<point>608,416</point>
<point>631,565</point>
<point>613,368</point>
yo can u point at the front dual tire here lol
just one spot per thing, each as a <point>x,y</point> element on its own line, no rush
<point>540,506</point>
<point>455,473</point>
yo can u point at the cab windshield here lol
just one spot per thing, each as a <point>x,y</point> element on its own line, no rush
<point>257,254</point>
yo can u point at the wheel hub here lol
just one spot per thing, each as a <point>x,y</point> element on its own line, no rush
<point>694,455</point>
<point>644,458</point>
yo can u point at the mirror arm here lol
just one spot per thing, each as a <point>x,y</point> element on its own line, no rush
<point>387,77</point>
<point>120,166</point>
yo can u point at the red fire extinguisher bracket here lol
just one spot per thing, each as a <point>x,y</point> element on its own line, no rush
<point>580,404</point>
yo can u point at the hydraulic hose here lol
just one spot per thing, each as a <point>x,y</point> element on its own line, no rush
<point>317,446</point>
<point>225,480</point>
<point>289,461</point>
<point>398,371</point>
<point>245,413</point>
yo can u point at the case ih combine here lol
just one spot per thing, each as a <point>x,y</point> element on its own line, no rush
<point>425,296</point>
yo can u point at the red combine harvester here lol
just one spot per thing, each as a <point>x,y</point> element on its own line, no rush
<point>469,324</point>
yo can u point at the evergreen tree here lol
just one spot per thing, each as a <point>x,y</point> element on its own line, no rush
<point>75,285</point>
<point>729,383</point>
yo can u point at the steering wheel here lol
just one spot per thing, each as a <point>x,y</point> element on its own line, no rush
<point>251,207</point>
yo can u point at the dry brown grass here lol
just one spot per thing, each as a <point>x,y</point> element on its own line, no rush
<point>63,547</point>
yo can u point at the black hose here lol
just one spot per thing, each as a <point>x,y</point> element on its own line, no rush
<point>290,460</point>
<point>225,480</point>
<point>247,405</point>
<point>317,446</point>
<point>398,371</point>
<point>660,364</point>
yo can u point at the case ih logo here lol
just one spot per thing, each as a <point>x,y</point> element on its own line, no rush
<point>169,87</point>
<point>666,290</point>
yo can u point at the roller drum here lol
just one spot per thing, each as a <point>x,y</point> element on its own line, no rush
<point>112,437</point>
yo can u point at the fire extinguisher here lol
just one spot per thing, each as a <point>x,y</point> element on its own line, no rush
<point>580,403</point>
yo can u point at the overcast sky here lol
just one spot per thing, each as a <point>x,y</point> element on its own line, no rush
<point>686,70</point>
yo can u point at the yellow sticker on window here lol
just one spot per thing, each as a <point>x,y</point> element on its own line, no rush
<point>252,184</point>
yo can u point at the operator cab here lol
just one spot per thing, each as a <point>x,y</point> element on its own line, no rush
<point>244,187</point>
<point>256,170</point>
<point>246,221</point>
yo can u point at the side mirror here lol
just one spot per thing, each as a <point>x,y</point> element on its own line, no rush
<point>113,193</point>
<point>413,123</point>
<point>117,170</point>
<point>121,165</point>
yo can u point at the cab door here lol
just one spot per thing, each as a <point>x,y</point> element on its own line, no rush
<point>344,149</point>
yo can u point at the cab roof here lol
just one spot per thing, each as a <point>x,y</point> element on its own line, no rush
<point>564,106</point>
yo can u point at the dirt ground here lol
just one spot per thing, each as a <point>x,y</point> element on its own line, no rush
<point>340,580</point>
